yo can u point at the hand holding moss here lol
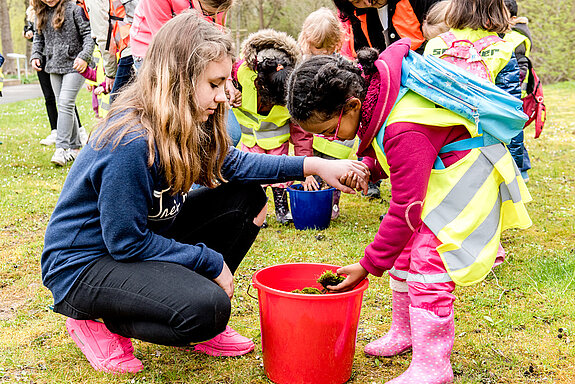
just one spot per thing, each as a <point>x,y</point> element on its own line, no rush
<point>355,274</point>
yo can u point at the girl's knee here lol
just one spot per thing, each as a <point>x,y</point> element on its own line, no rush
<point>206,318</point>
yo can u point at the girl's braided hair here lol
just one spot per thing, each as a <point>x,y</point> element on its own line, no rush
<point>272,76</point>
<point>321,85</point>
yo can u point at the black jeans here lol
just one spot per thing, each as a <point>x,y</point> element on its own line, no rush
<point>167,303</point>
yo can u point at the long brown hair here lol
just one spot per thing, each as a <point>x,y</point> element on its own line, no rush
<point>162,104</point>
<point>41,10</point>
<point>490,15</point>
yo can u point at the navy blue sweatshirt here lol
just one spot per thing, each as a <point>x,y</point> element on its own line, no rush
<point>112,203</point>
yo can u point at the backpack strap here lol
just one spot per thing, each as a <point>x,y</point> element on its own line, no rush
<point>460,145</point>
<point>448,37</point>
<point>485,42</point>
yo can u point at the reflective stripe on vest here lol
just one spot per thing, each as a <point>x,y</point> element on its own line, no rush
<point>420,278</point>
<point>335,148</point>
<point>118,27</point>
<point>469,204</point>
<point>104,105</point>
<point>269,131</point>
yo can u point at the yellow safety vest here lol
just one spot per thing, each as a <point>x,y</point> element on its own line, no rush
<point>336,148</point>
<point>269,131</point>
<point>516,39</point>
<point>495,56</point>
<point>469,203</point>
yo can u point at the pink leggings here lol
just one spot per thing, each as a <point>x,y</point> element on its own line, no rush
<point>429,285</point>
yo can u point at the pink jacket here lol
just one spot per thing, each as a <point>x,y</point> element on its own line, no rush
<point>411,150</point>
<point>91,74</point>
<point>149,17</point>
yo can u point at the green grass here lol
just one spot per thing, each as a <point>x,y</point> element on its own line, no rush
<point>507,327</point>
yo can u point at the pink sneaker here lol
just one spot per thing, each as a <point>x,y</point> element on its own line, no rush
<point>227,343</point>
<point>106,351</point>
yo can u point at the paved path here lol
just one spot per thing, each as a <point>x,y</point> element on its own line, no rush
<point>21,92</point>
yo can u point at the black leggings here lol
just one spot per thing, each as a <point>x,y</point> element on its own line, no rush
<point>167,303</point>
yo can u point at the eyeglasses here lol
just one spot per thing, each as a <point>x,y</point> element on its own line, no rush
<point>334,137</point>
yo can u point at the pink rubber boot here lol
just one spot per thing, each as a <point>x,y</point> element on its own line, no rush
<point>398,339</point>
<point>432,344</point>
<point>227,343</point>
<point>106,351</point>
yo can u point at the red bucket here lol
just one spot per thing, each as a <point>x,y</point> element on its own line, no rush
<point>306,338</point>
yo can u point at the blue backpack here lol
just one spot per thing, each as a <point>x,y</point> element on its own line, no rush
<point>498,115</point>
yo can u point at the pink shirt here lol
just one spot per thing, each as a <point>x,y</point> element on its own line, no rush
<point>149,17</point>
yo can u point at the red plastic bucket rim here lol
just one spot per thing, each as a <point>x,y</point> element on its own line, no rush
<point>359,288</point>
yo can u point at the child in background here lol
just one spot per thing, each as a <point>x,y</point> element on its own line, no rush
<point>322,34</point>
<point>520,37</point>
<point>63,35</point>
<point>434,23</point>
<point>130,251</point>
<point>480,22</point>
<point>269,57</point>
<point>331,96</point>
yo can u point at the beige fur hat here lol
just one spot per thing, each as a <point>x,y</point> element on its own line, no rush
<point>269,43</point>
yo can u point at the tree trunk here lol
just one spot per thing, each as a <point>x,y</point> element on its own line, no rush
<point>261,13</point>
<point>6,33</point>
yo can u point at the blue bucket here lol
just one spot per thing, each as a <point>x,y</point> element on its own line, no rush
<point>310,209</point>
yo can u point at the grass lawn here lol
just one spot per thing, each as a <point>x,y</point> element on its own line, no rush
<point>517,326</point>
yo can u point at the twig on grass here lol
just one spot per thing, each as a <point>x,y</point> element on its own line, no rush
<point>535,286</point>
<point>503,290</point>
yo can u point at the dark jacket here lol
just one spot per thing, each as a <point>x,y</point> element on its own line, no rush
<point>405,20</point>
<point>61,47</point>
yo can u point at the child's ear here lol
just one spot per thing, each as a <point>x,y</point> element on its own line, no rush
<point>354,104</point>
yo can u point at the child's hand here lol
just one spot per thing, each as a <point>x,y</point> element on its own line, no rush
<point>28,34</point>
<point>80,65</point>
<point>98,90</point>
<point>310,184</point>
<point>226,281</point>
<point>36,64</point>
<point>353,172</point>
<point>90,87</point>
<point>353,180</point>
<point>109,83</point>
<point>355,274</point>
<point>234,96</point>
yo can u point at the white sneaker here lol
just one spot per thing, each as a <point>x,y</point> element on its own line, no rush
<point>50,139</point>
<point>83,135</point>
<point>62,156</point>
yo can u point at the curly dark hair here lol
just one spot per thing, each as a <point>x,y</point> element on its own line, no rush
<point>321,85</point>
<point>271,81</point>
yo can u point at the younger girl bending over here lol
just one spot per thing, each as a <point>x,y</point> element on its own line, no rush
<point>442,227</point>
<point>130,251</point>
<point>269,57</point>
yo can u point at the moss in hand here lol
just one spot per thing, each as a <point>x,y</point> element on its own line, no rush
<point>330,278</point>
